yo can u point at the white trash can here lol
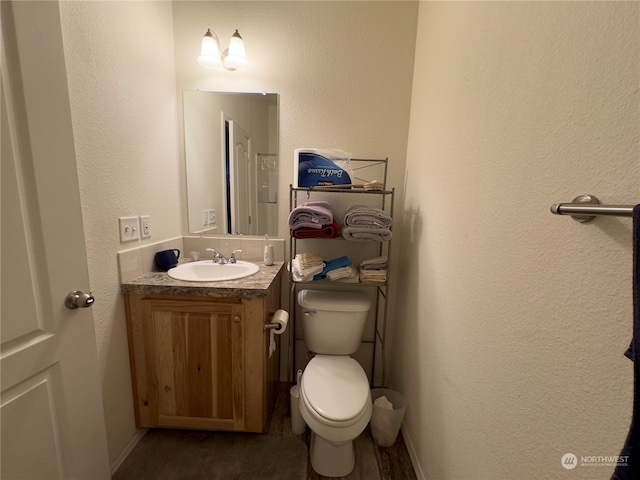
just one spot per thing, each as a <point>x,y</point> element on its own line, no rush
<point>298,424</point>
<point>385,421</point>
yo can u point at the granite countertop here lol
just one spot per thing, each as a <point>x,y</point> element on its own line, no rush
<point>160,283</point>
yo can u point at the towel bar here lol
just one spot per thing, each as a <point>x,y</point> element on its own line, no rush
<point>584,208</point>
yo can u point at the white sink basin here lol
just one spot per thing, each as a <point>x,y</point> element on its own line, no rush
<point>207,271</point>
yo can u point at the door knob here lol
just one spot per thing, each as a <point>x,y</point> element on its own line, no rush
<point>79,299</point>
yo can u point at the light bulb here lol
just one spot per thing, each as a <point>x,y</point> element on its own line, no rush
<point>210,51</point>
<point>236,56</point>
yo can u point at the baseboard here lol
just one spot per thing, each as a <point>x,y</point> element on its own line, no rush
<point>127,450</point>
<point>412,453</point>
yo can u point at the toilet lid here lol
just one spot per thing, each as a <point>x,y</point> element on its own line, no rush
<point>336,387</point>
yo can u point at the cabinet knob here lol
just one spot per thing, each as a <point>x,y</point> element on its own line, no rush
<point>236,318</point>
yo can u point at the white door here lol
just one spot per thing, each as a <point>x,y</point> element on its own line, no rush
<point>243,185</point>
<point>51,413</point>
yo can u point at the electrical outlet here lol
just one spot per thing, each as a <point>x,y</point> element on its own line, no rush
<point>205,218</point>
<point>145,226</point>
<point>129,229</point>
<point>212,216</point>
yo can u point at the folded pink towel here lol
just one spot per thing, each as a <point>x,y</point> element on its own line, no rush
<point>377,263</point>
<point>311,215</point>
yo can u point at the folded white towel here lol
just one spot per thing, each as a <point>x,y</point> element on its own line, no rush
<point>304,274</point>
<point>354,279</point>
<point>373,273</point>
<point>308,260</point>
<point>382,259</point>
<point>373,276</point>
<point>348,271</point>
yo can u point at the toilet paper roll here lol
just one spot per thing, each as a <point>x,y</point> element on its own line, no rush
<point>280,317</point>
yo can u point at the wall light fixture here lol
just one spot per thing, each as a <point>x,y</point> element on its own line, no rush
<point>232,58</point>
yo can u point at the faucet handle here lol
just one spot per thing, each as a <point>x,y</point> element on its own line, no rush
<point>215,254</point>
<point>232,258</point>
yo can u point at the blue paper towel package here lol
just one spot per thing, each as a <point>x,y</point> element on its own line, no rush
<point>321,166</point>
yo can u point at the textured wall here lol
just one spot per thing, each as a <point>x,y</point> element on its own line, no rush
<point>123,102</point>
<point>342,83</point>
<point>343,70</point>
<point>511,322</point>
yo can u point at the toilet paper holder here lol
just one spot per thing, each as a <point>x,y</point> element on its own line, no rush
<point>270,326</point>
<point>278,323</point>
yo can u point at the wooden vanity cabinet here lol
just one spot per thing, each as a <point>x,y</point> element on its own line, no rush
<point>202,362</point>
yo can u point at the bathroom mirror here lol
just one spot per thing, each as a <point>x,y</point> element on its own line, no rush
<point>231,152</point>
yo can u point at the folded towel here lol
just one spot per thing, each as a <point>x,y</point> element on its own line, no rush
<point>311,215</point>
<point>349,271</point>
<point>332,265</point>
<point>362,216</point>
<point>327,231</point>
<point>375,266</point>
<point>373,276</point>
<point>300,275</point>
<point>366,234</point>
<point>354,279</point>
<point>381,259</point>
<point>378,263</point>
<point>304,274</point>
<point>373,273</point>
<point>308,260</point>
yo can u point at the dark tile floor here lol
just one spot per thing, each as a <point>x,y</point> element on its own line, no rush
<point>372,461</point>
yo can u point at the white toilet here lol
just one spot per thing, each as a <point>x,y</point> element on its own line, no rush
<point>335,398</point>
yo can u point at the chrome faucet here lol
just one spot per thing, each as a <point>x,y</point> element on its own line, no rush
<point>232,258</point>
<point>221,259</point>
<point>217,257</point>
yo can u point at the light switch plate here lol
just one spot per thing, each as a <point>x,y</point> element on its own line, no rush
<point>145,226</point>
<point>212,216</point>
<point>129,229</point>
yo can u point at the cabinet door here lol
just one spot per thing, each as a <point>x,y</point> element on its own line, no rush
<point>193,352</point>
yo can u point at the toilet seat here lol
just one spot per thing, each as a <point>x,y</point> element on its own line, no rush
<point>336,388</point>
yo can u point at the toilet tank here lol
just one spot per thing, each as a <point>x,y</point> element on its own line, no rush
<point>333,322</point>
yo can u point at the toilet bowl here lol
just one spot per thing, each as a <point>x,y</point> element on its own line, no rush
<point>335,397</point>
<point>335,402</point>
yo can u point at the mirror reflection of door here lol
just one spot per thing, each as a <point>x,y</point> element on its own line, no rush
<point>242,183</point>
<point>206,127</point>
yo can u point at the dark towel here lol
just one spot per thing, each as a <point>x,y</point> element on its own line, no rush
<point>628,467</point>
<point>326,231</point>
